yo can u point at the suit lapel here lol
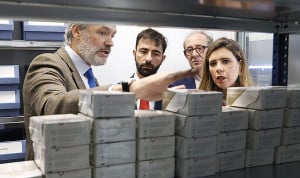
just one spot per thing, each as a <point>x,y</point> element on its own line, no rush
<point>75,74</point>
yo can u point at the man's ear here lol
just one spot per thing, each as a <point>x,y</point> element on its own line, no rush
<point>75,32</point>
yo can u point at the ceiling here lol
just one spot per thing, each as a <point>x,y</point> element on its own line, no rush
<point>277,16</point>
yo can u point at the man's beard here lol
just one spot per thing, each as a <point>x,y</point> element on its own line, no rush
<point>146,72</point>
<point>88,51</point>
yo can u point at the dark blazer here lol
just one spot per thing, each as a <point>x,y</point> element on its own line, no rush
<point>189,83</point>
<point>157,104</point>
<point>51,86</point>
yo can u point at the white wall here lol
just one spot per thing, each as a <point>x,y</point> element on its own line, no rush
<point>120,64</point>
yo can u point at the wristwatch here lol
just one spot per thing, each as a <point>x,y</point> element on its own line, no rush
<point>126,84</point>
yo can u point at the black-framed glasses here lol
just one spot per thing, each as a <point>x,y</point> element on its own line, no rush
<point>199,49</point>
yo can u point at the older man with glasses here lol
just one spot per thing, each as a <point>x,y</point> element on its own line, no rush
<point>195,47</point>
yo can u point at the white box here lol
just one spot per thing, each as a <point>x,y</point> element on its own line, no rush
<point>81,173</point>
<point>293,97</point>
<point>157,168</point>
<point>230,161</point>
<point>59,130</point>
<point>99,104</point>
<point>263,97</point>
<point>232,119</point>
<point>231,141</point>
<point>155,148</point>
<point>113,153</point>
<point>195,167</point>
<point>192,102</point>
<point>151,123</point>
<point>116,171</point>
<point>291,117</point>
<point>265,119</point>
<point>289,153</point>
<point>262,139</point>
<point>195,147</point>
<point>290,136</point>
<point>112,129</point>
<point>22,169</point>
<point>259,157</point>
<point>61,159</point>
<point>197,126</point>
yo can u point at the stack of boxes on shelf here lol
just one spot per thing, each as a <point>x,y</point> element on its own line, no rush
<point>113,144</point>
<point>9,90</point>
<point>290,141</point>
<point>155,144</point>
<point>197,126</point>
<point>231,143</point>
<point>265,106</point>
<point>61,145</point>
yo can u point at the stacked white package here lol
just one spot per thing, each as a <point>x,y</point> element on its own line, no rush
<point>197,127</point>
<point>113,134</point>
<point>263,97</point>
<point>290,135</point>
<point>155,143</point>
<point>259,157</point>
<point>288,153</point>
<point>266,109</point>
<point>192,102</point>
<point>115,171</point>
<point>24,169</point>
<point>101,104</point>
<point>232,160</point>
<point>60,142</point>
<point>231,140</point>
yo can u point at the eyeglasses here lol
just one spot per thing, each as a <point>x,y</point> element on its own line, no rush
<point>199,49</point>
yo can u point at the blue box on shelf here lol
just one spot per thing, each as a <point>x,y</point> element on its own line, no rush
<point>9,77</point>
<point>11,151</point>
<point>43,31</point>
<point>9,103</point>
<point>6,29</point>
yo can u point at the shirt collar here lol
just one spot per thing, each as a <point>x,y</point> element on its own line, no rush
<point>79,63</point>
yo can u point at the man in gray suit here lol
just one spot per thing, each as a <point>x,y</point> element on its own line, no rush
<point>53,80</point>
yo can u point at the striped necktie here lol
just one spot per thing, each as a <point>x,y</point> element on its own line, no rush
<point>90,76</point>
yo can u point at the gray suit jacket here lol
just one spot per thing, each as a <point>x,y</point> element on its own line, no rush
<point>51,86</point>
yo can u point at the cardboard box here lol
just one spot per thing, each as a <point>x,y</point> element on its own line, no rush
<point>195,147</point>
<point>9,100</point>
<point>232,119</point>
<point>231,141</point>
<point>59,130</point>
<point>265,119</point>
<point>151,123</point>
<point>293,97</point>
<point>81,173</point>
<point>103,104</point>
<point>155,148</point>
<point>113,153</point>
<point>12,150</point>
<point>195,167</point>
<point>112,129</point>
<point>288,153</point>
<point>43,31</point>
<point>56,159</point>
<point>259,157</point>
<point>9,74</point>
<point>262,139</point>
<point>197,126</point>
<point>290,136</point>
<point>230,161</point>
<point>263,97</point>
<point>291,117</point>
<point>24,169</point>
<point>192,102</point>
<point>158,168</point>
<point>116,171</point>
